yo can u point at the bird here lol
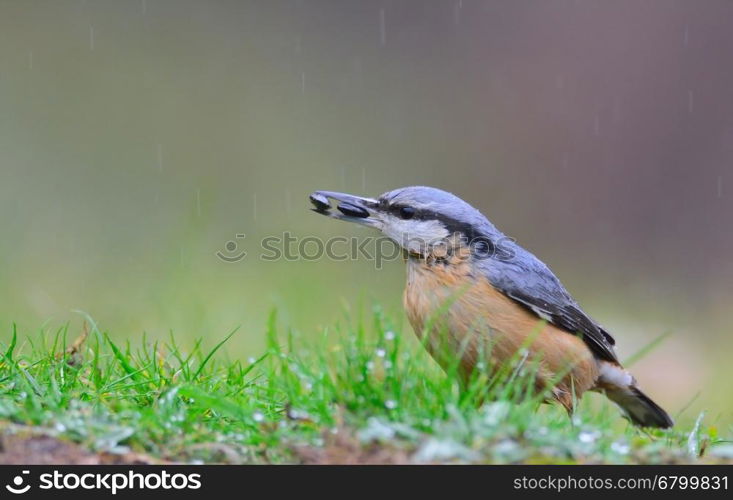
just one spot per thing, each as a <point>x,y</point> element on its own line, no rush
<point>470,286</point>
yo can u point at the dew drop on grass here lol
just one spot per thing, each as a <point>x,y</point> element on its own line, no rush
<point>251,360</point>
<point>296,414</point>
<point>441,450</point>
<point>381,353</point>
<point>258,417</point>
<point>389,335</point>
<point>620,447</point>
<point>376,430</point>
<point>390,404</point>
<point>507,449</point>
<point>495,413</point>
<point>588,436</point>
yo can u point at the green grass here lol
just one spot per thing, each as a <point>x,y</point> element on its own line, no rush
<point>362,393</point>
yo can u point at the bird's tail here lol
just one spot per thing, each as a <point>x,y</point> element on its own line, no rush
<point>620,387</point>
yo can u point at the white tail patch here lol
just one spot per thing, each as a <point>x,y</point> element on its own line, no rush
<point>611,374</point>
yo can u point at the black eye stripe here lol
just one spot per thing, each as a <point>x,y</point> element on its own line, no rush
<point>398,210</point>
<point>452,225</point>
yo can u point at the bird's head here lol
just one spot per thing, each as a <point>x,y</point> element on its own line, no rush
<point>419,219</point>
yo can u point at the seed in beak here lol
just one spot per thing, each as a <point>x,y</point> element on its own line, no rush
<point>353,210</point>
<point>320,202</point>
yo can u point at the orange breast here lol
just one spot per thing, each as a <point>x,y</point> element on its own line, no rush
<point>464,316</point>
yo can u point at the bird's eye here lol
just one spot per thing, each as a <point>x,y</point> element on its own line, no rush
<point>407,213</point>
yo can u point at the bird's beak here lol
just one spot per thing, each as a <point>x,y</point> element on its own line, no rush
<point>350,208</point>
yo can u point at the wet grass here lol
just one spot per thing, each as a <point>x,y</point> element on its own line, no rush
<point>363,393</point>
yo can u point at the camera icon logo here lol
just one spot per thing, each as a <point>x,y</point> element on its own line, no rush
<point>17,488</point>
<point>231,254</point>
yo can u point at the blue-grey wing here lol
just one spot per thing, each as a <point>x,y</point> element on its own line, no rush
<point>524,278</point>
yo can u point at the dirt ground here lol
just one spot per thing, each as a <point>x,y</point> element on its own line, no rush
<point>29,449</point>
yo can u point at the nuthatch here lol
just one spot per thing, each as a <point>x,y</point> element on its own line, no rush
<point>483,289</point>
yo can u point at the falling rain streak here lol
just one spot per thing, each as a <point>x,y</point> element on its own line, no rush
<point>720,186</point>
<point>382,28</point>
<point>457,12</point>
<point>91,37</point>
<point>160,157</point>
<point>30,59</point>
<point>690,101</point>
<point>254,207</point>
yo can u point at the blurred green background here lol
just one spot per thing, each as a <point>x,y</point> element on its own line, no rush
<point>138,137</point>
